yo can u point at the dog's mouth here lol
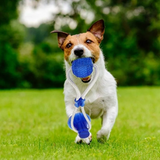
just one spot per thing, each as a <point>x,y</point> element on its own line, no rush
<point>92,58</point>
<point>86,79</point>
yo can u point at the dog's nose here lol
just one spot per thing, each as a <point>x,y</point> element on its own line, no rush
<point>78,52</point>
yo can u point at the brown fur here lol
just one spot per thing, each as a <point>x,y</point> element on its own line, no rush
<point>94,33</point>
<point>81,39</point>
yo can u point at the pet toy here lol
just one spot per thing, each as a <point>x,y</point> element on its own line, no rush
<point>80,121</point>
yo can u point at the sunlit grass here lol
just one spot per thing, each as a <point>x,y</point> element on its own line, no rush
<point>34,126</point>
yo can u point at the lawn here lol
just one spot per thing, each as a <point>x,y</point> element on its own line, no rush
<point>33,125</point>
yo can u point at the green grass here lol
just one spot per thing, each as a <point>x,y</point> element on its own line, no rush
<point>33,125</point>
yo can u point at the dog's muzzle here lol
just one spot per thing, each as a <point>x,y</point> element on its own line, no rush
<point>86,79</point>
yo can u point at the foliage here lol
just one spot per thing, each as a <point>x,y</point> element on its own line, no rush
<point>131,36</point>
<point>11,35</point>
<point>26,59</point>
<point>42,68</point>
<point>34,126</point>
<point>41,64</point>
<point>8,11</point>
<point>9,65</point>
<point>130,46</point>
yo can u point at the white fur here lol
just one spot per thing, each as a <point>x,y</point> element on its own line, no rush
<point>101,101</point>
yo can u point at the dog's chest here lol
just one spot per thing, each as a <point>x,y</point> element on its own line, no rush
<point>96,108</point>
<point>95,100</point>
<point>95,104</point>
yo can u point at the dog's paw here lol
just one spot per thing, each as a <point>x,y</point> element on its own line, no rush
<point>103,135</point>
<point>78,140</point>
<point>88,140</point>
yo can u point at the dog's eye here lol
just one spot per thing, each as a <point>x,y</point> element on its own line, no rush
<point>88,41</point>
<point>69,45</point>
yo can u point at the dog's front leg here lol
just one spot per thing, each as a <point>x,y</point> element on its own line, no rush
<point>108,119</point>
<point>70,109</point>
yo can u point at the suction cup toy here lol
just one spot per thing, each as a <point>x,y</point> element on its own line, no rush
<point>82,67</point>
<point>80,124</point>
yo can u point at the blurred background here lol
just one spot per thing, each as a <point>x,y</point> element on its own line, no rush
<point>30,57</point>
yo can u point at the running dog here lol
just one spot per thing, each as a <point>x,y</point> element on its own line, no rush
<point>101,101</point>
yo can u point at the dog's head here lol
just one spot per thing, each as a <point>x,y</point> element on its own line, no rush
<point>83,44</point>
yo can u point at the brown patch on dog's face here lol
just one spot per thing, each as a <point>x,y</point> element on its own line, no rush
<point>86,44</point>
<point>86,39</point>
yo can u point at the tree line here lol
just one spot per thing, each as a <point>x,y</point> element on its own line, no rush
<point>30,57</point>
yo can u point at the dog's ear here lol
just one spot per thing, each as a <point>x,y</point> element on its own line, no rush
<point>61,37</point>
<point>98,30</point>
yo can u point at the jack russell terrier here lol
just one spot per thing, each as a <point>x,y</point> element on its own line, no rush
<point>101,101</point>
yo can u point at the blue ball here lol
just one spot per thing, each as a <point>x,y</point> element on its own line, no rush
<point>80,124</point>
<point>82,67</point>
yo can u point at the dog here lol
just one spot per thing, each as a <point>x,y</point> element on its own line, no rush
<point>101,101</point>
